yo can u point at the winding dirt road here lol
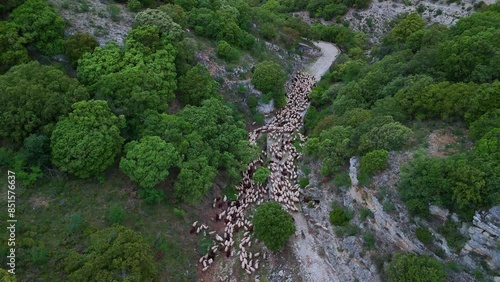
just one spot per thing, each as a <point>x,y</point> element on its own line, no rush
<point>313,266</point>
<point>329,53</point>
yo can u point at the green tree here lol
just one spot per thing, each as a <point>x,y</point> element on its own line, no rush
<point>197,85</point>
<point>226,51</point>
<point>423,181</point>
<point>148,161</point>
<point>162,20</point>
<point>332,147</point>
<point>86,142</point>
<point>104,60</point>
<point>410,24</point>
<point>484,124</point>
<point>412,268</point>
<point>33,98</point>
<point>116,253</point>
<point>261,174</point>
<point>194,180</point>
<point>269,78</point>
<point>77,45</point>
<point>133,90</point>
<point>36,150</point>
<point>176,12</point>
<point>469,189</point>
<point>40,25</point>
<point>273,225</point>
<point>390,136</point>
<point>12,50</point>
<point>374,161</point>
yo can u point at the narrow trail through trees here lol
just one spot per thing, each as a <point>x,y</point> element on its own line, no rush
<point>282,154</point>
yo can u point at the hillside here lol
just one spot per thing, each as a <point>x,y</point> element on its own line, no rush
<point>239,140</point>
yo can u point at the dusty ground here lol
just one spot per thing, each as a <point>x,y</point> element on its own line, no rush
<point>95,17</point>
<point>380,13</point>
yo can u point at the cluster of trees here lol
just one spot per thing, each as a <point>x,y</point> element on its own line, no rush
<point>462,183</point>
<point>356,132</point>
<point>120,97</point>
<point>419,73</point>
<point>113,254</point>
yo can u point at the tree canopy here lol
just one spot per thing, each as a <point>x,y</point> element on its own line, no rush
<point>113,254</point>
<point>197,85</point>
<point>269,78</point>
<point>273,225</point>
<point>148,161</point>
<point>40,25</point>
<point>33,98</point>
<point>87,141</point>
<point>413,268</point>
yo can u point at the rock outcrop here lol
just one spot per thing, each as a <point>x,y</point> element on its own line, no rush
<point>484,237</point>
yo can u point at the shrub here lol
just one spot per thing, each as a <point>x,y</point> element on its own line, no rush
<point>424,235</point>
<point>261,175</point>
<point>273,225</point>
<point>364,213</point>
<point>116,214</point>
<point>342,179</point>
<point>452,235</point>
<point>38,255</point>
<point>303,182</point>
<point>374,161</point>
<point>340,216</point>
<point>134,5</point>
<point>369,240</point>
<point>152,196</point>
<point>180,213</point>
<point>413,268</point>
<point>76,223</point>
<point>114,12</point>
<point>347,230</point>
<point>227,52</point>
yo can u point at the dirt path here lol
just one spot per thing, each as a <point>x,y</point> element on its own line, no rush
<point>313,266</point>
<point>329,53</point>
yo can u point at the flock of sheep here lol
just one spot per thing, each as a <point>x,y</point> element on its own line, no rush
<point>282,153</point>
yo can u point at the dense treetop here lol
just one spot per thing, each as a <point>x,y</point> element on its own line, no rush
<point>87,141</point>
<point>273,225</point>
<point>33,98</point>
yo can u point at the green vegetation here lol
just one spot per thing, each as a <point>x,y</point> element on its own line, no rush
<point>273,225</point>
<point>77,45</point>
<point>412,267</point>
<point>197,85</point>
<point>374,161</point>
<point>261,174</point>
<point>148,161</point>
<point>40,26</point>
<point>127,251</point>
<point>68,107</point>
<point>419,74</point>
<point>33,98</point>
<point>424,235</point>
<point>269,78</point>
<point>87,141</point>
<point>453,237</point>
<point>340,216</point>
